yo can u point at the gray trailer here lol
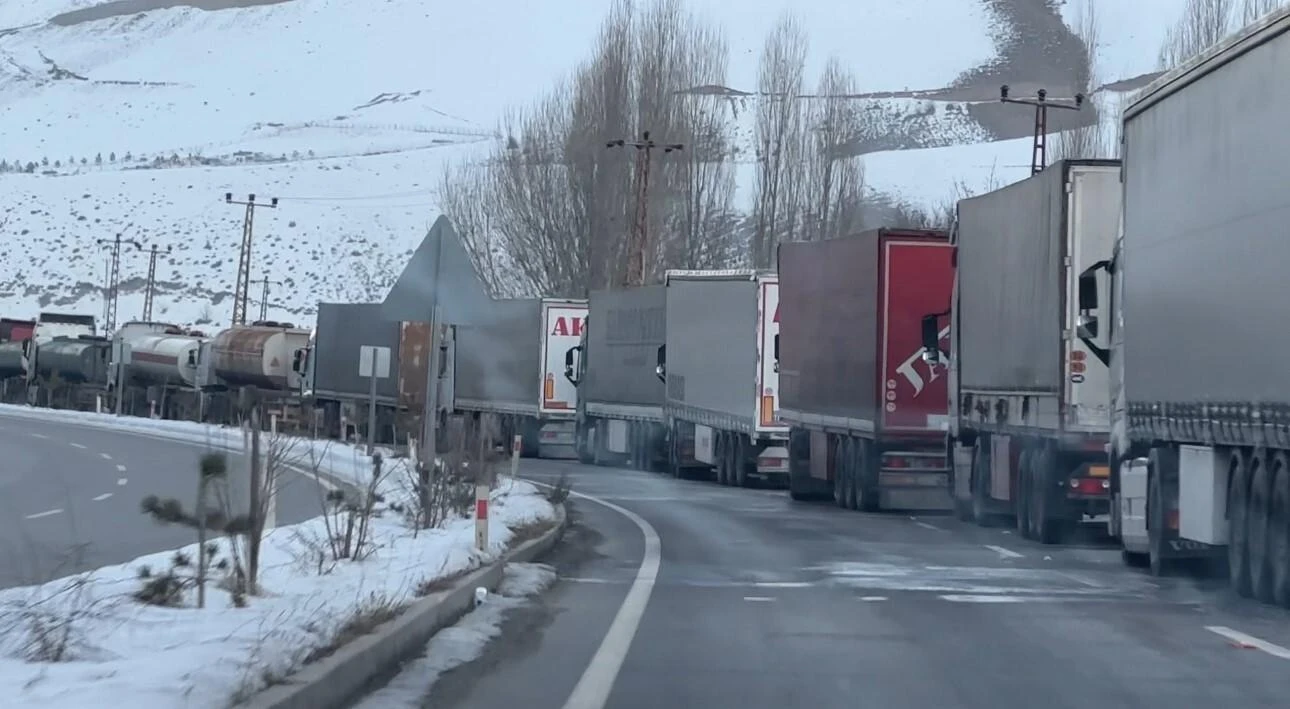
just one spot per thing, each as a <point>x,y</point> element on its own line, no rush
<point>1200,444</point>
<point>331,378</point>
<point>511,367</point>
<point>722,376</point>
<point>1029,408</point>
<point>615,367</point>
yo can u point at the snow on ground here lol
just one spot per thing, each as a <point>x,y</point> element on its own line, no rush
<point>466,641</point>
<point>155,655</point>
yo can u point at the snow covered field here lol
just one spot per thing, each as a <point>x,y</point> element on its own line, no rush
<point>139,123</point>
<point>114,645</point>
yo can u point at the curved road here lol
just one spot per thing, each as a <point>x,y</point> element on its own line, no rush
<point>69,496</point>
<point>762,602</point>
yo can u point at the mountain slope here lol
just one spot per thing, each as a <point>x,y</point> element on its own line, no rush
<point>125,118</point>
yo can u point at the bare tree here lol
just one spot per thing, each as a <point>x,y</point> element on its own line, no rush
<point>778,136</point>
<point>1088,139</point>
<point>1202,25</point>
<point>834,179</point>
<point>1252,10</point>
<point>559,203</point>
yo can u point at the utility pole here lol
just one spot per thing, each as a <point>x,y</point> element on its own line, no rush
<point>244,257</point>
<point>264,297</point>
<point>638,240</point>
<point>151,286</point>
<point>113,277</point>
<point>1041,102</point>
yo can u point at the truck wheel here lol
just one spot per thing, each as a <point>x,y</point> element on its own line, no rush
<point>739,470</point>
<point>866,471</point>
<point>674,455</point>
<point>839,477</point>
<point>723,460</point>
<point>1157,556</point>
<point>856,497</point>
<point>847,472</point>
<point>1051,524</point>
<point>1279,530</point>
<point>1024,479</point>
<point>980,474</point>
<point>1257,524</point>
<point>1238,569</point>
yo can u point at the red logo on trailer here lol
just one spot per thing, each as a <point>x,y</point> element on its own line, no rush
<point>919,281</point>
<point>564,329</point>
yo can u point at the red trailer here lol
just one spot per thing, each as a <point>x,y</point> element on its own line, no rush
<point>12,330</point>
<point>868,414</point>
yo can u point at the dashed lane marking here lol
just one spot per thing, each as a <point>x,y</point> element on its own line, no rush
<point>39,435</point>
<point>105,456</point>
<point>1004,552</point>
<point>77,445</point>
<point>759,599</point>
<point>1249,641</point>
<point>872,599</point>
<point>925,525</point>
<point>46,513</point>
<point>121,481</point>
<point>120,468</point>
<point>104,496</point>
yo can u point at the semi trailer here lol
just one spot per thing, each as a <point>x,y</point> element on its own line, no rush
<point>1200,419</point>
<point>1029,406</point>
<point>511,367</point>
<point>615,367</point>
<point>867,415</point>
<point>721,377</point>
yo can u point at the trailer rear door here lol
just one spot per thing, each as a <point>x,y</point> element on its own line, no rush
<point>917,277</point>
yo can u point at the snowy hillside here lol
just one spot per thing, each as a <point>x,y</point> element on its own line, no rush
<point>119,118</point>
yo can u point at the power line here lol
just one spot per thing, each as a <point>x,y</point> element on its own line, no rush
<point>244,257</point>
<point>113,278</point>
<point>638,242</point>
<point>264,298</point>
<point>151,286</point>
<point>1041,102</point>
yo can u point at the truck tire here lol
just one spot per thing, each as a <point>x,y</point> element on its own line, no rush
<point>866,475</point>
<point>855,474</point>
<point>1258,523</point>
<point>1238,569</point>
<point>847,473</point>
<point>1051,522</point>
<point>839,473</point>
<point>1158,562</point>
<point>980,476</point>
<point>739,471</point>
<point>1025,474</point>
<point>674,455</point>
<point>1279,533</point>
<point>722,471</point>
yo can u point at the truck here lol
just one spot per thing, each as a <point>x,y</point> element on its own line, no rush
<point>1029,405</point>
<point>330,382</point>
<point>867,416</point>
<point>615,368</point>
<point>721,377</point>
<point>1200,436</point>
<point>50,326</point>
<point>510,368</point>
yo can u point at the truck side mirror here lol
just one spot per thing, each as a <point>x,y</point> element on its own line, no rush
<point>777,354</point>
<point>660,369</point>
<point>298,362</point>
<point>26,347</point>
<point>1088,290</point>
<point>931,339</point>
<point>1088,300</point>
<point>569,360</point>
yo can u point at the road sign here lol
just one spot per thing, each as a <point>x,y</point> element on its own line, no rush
<point>369,356</point>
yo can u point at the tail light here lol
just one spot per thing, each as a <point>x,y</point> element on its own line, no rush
<point>548,387</point>
<point>767,409</point>
<point>1090,486</point>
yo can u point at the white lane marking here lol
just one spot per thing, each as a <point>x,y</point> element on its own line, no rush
<point>120,468</point>
<point>873,598</point>
<point>783,584</point>
<point>77,445</point>
<point>105,456</point>
<point>1250,641</point>
<point>925,525</point>
<point>121,481</point>
<point>38,435</point>
<point>581,579</point>
<point>597,681</point>
<point>104,496</point>
<point>46,513</point>
<point>1005,553</point>
<point>983,598</point>
<point>759,599</point>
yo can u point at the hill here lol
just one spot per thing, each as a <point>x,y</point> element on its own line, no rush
<point>137,116</point>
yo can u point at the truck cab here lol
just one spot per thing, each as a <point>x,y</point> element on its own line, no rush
<point>302,363</point>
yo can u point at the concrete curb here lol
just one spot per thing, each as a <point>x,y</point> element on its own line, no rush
<point>338,680</point>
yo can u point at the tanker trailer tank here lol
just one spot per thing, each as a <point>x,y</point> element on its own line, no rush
<point>163,359</point>
<point>79,360</point>
<point>13,363</point>
<point>258,356</point>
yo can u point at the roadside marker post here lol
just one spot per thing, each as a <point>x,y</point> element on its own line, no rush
<point>517,445</point>
<point>481,517</point>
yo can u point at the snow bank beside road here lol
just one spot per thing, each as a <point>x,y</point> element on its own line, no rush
<point>78,640</point>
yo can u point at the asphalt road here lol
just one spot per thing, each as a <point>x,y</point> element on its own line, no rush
<point>69,496</point>
<point>762,602</point>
